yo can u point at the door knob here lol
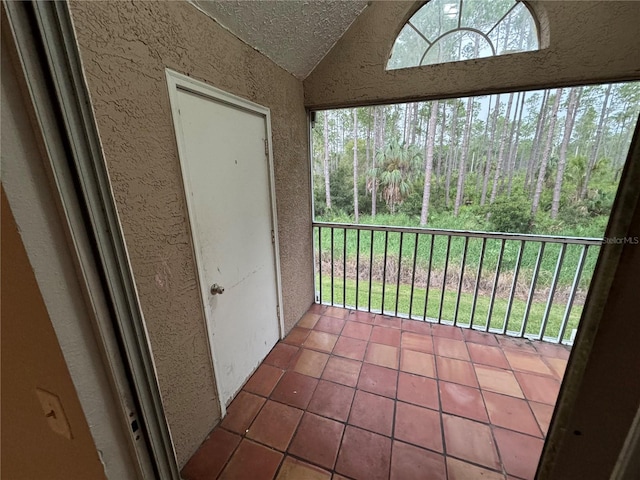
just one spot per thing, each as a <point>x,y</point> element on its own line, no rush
<point>217,289</point>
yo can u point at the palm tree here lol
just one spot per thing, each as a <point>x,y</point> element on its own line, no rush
<point>397,167</point>
<point>576,173</point>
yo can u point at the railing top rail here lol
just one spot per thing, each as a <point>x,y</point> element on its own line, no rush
<point>467,233</point>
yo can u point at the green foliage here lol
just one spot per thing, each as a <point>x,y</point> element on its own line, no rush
<point>398,165</point>
<point>412,205</point>
<point>599,203</point>
<point>511,213</point>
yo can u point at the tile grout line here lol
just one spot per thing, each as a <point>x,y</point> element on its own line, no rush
<point>300,346</point>
<point>395,406</point>
<point>345,423</point>
<point>243,436</point>
<point>441,412</point>
<point>491,426</point>
<point>290,367</point>
<point>344,430</point>
<point>392,437</point>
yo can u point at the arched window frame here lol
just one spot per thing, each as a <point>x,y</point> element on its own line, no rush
<point>535,24</point>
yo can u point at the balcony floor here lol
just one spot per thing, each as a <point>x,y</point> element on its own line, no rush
<point>355,395</point>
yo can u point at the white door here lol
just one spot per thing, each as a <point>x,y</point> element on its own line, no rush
<point>227,174</point>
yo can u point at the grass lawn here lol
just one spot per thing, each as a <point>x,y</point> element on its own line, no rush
<point>421,247</point>
<point>465,306</point>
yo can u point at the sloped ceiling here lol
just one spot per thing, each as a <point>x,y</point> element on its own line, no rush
<point>295,34</point>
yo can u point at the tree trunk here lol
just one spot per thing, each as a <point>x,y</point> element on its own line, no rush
<point>618,157</point>
<point>463,157</point>
<point>486,130</point>
<point>342,133</point>
<point>451,155</point>
<point>412,123</point>
<point>441,149</point>
<point>545,155</point>
<point>535,147</point>
<point>572,108</point>
<point>596,145</point>
<point>431,134</point>
<point>368,144</point>
<point>513,154</point>
<point>487,167</point>
<point>378,142</point>
<point>327,187</point>
<point>374,180</point>
<point>503,140</point>
<point>407,115</point>
<point>355,165</point>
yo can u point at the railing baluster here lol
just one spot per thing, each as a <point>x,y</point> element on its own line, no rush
<point>426,293</point>
<point>464,259</point>
<point>357,268</point>
<point>320,262</point>
<point>495,286</point>
<point>444,278</point>
<point>513,286</point>
<point>344,268</point>
<point>478,276</point>
<point>399,272</point>
<point>552,291</point>
<point>548,317</point>
<point>384,270</point>
<point>532,290</point>
<point>574,287</point>
<point>413,274</point>
<point>332,275</point>
<point>370,272</point>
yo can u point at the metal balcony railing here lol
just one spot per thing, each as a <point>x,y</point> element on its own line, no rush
<point>529,286</point>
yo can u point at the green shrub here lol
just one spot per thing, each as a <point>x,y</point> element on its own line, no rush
<point>511,213</point>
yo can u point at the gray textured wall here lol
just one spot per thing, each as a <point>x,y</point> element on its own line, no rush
<point>583,41</point>
<point>125,48</point>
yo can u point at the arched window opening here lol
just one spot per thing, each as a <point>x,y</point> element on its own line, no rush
<point>445,31</point>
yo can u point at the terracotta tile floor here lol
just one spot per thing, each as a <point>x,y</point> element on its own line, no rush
<point>355,395</point>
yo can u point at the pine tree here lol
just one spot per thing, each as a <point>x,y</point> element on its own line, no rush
<point>545,155</point>
<point>503,139</point>
<point>596,143</point>
<point>428,156</point>
<point>463,157</point>
<point>572,109</point>
<point>327,186</point>
<point>355,165</point>
<point>487,166</point>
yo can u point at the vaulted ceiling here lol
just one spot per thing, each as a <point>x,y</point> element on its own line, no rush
<point>295,34</point>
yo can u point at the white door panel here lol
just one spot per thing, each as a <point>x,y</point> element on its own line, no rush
<point>226,170</point>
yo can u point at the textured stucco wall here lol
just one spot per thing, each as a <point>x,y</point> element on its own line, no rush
<point>125,48</point>
<point>585,42</point>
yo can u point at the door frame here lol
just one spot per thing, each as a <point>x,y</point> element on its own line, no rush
<point>175,82</point>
